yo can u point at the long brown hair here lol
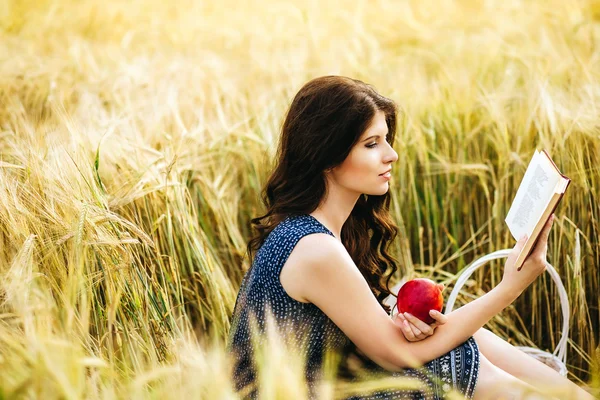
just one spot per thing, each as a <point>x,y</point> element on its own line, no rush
<point>324,121</point>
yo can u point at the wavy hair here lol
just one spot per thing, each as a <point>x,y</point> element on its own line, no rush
<point>324,121</point>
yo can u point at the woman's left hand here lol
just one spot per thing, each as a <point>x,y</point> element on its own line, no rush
<point>414,329</point>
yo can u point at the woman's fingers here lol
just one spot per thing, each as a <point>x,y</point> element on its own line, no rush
<point>404,326</point>
<point>414,329</point>
<point>411,332</point>
<point>418,325</point>
<point>418,335</point>
<point>440,319</point>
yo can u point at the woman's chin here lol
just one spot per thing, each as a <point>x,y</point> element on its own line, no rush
<point>379,192</point>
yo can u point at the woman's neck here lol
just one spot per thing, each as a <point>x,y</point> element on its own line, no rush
<point>335,209</point>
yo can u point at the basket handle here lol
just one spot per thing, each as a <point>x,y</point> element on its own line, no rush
<point>561,348</point>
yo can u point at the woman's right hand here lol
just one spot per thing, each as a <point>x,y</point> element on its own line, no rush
<point>515,282</point>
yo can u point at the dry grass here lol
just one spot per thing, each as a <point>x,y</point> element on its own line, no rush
<point>135,137</point>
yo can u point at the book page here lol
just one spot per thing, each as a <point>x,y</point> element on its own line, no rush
<point>535,191</point>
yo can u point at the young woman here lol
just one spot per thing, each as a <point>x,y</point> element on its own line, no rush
<point>321,265</point>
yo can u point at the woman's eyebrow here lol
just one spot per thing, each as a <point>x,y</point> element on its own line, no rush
<point>372,136</point>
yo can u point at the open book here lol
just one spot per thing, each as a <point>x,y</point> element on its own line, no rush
<point>540,191</point>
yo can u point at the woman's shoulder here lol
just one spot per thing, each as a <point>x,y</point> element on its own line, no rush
<point>304,237</point>
<point>319,243</point>
<point>301,236</point>
<point>298,226</point>
<point>317,247</point>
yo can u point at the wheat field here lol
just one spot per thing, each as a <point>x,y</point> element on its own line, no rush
<point>135,137</point>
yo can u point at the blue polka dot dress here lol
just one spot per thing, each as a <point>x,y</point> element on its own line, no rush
<point>308,330</point>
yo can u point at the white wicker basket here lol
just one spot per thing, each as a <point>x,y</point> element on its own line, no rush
<point>556,360</point>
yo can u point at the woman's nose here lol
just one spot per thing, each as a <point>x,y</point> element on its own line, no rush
<point>392,157</point>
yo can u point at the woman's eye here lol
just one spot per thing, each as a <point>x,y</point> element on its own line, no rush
<point>374,144</point>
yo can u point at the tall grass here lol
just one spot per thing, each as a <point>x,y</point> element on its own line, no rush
<point>135,138</point>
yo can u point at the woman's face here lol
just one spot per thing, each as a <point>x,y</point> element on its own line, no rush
<point>368,160</point>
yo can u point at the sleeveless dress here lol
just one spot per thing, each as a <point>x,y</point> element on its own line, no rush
<point>306,328</point>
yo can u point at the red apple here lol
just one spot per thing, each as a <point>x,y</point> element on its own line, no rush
<point>418,296</point>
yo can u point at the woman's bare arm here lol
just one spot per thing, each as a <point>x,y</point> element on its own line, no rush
<point>332,282</point>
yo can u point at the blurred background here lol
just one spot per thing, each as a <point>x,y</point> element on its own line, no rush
<point>135,137</point>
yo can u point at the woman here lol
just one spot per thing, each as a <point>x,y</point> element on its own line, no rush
<point>325,237</point>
